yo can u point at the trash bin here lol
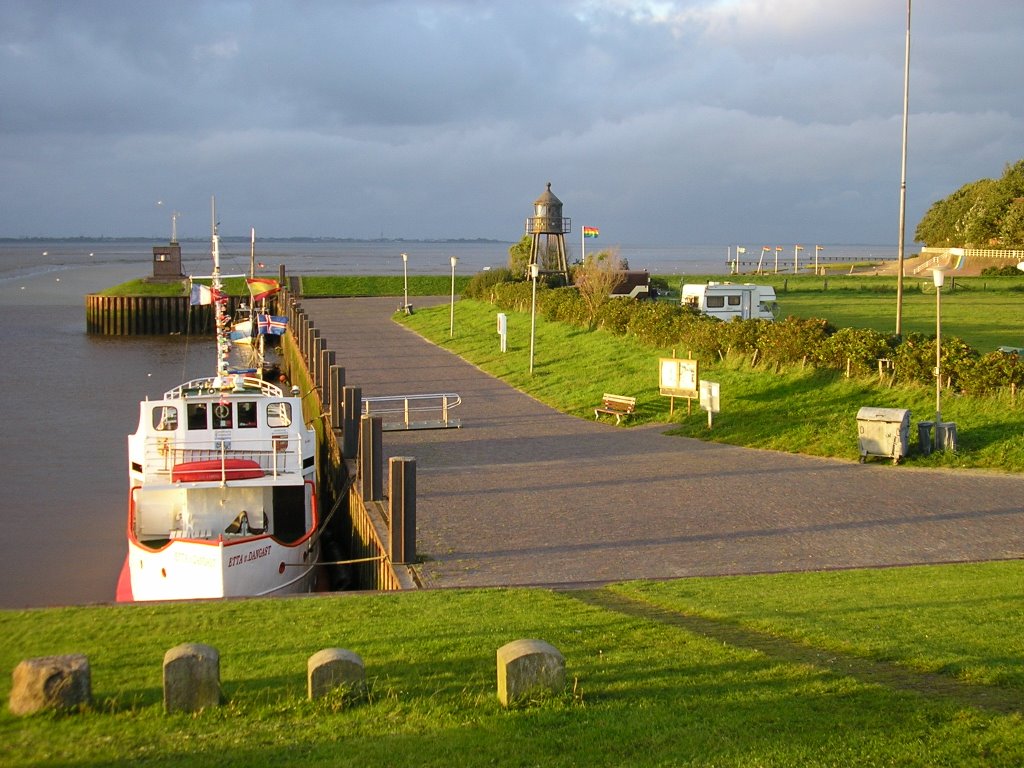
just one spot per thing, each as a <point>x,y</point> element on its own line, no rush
<point>924,437</point>
<point>883,432</point>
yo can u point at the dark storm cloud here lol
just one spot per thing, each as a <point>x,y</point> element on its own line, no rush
<point>712,120</point>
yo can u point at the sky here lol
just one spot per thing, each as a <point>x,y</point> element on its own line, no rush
<point>660,122</point>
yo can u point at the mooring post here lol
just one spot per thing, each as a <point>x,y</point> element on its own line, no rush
<point>351,405</point>
<point>402,500</point>
<point>326,361</point>
<point>336,395</point>
<point>302,329</point>
<point>371,458</point>
<point>312,334</point>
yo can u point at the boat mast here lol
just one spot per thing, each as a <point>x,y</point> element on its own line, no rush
<point>255,337</point>
<point>219,299</point>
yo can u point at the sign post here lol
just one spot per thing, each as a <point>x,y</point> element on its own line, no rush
<point>678,378</point>
<point>710,399</point>
<point>503,331</point>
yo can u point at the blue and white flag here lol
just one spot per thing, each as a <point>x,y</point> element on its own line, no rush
<point>202,294</point>
<point>272,325</point>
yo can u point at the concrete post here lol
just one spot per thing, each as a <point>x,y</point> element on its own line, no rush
<point>191,678</point>
<point>333,669</point>
<point>529,668</point>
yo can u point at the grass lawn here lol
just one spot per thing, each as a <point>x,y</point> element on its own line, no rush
<point>910,667</point>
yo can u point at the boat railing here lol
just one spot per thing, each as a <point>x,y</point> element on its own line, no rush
<point>282,455</point>
<point>399,412</point>
<point>212,385</point>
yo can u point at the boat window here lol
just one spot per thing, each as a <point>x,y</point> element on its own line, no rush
<point>716,302</point>
<point>734,301</point>
<point>222,416</point>
<point>165,418</point>
<point>247,414</point>
<point>279,414</point>
<point>197,415</point>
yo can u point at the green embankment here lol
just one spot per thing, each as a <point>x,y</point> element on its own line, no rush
<point>910,667</point>
<point>795,409</point>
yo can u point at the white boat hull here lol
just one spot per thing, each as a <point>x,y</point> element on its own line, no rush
<point>187,569</point>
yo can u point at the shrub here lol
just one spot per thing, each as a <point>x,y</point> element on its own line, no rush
<point>862,348</point>
<point>1009,270</point>
<point>993,372</point>
<point>792,339</point>
<point>480,285</point>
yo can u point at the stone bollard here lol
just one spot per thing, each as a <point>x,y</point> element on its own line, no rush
<point>50,682</point>
<point>527,668</point>
<point>335,668</point>
<point>191,678</point>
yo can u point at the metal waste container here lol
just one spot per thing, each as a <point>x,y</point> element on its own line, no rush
<point>883,432</point>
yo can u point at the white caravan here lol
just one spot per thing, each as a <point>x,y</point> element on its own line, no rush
<point>728,300</point>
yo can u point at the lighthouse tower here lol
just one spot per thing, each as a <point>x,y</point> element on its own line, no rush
<point>548,223</point>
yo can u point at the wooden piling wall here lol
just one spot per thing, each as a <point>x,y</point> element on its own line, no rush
<point>149,315</point>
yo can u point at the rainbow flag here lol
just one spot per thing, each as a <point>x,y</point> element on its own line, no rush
<point>261,287</point>
<point>591,231</point>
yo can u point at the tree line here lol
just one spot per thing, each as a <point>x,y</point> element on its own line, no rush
<point>987,213</point>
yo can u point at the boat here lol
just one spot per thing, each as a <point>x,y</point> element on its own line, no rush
<point>223,495</point>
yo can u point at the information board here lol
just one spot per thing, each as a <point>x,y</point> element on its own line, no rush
<point>678,378</point>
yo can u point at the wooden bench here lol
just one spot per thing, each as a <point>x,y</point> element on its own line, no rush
<point>618,406</point>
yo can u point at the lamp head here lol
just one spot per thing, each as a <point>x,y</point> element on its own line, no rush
<point>455,260</point>
<point>938,277</point>
<point>534,271</point>
<point>405,257</point>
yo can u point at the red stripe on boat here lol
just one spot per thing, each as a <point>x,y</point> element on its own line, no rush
<point>124,592</point>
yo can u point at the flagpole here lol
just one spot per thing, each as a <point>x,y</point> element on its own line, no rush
<point>903,184</point>
<point>583,244</point>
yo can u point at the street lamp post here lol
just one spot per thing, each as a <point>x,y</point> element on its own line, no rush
<point>534,271</point>
<point>938,278</point>
<point>451,322</point>
<point>405,274</point>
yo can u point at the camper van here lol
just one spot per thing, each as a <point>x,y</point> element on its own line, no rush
<point>728,300</point>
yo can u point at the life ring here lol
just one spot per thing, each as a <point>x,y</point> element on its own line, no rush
<point>221,411</point>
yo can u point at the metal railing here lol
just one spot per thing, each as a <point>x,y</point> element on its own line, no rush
<point>399,412</point>
<point>932,263</point>
<point>280,455</point>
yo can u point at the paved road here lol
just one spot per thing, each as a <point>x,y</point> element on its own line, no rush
<point>522,494</point>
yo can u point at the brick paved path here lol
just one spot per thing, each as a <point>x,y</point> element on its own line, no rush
<point>522,494</point>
